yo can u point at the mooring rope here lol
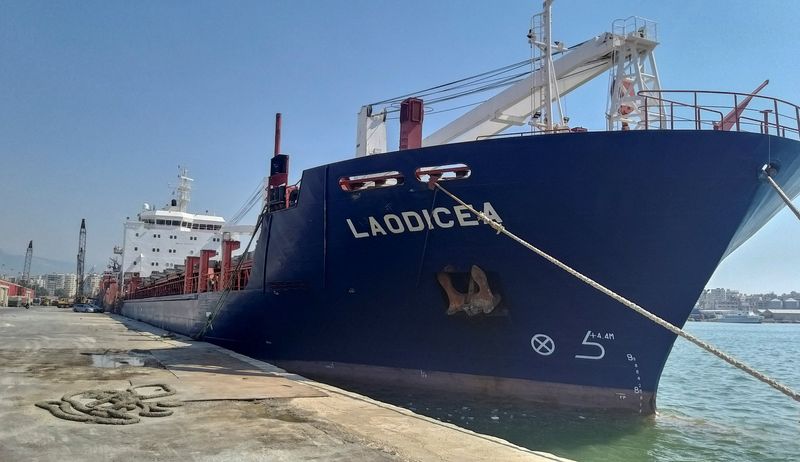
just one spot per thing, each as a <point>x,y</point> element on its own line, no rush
<point>235,273</point>
<point>768,171</point>
<point>633,306</point>
<point>112,407</point>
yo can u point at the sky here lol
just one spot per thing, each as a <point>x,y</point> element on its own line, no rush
<point>100,101</point>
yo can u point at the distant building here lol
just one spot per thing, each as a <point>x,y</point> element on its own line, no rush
<point>39,281</point>
<point>775,303</point>
<point>91,284</point>
<point>781,315</point>
<point>791,304</point>
<point>14,295</point>
<point>56,282</point>
<point>53,283</point>
<point>71,284</point>
<point>722,299</point>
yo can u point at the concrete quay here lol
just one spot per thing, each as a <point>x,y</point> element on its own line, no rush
<point>234,407</point>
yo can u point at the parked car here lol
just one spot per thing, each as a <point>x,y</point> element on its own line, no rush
<point>87,308</point>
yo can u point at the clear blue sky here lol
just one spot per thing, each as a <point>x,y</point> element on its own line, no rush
<point>101,100</point>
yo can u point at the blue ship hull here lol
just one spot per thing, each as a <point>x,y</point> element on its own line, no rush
<point>648,214</point>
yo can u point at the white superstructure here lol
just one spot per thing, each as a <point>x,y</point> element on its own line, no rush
<point>160,240</point>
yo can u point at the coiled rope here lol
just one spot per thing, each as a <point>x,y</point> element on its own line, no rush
<point>633,306</point>
<point>112,407</point>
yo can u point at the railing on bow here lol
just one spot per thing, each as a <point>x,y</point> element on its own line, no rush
<point>719,110</point>
<point>176,284</point>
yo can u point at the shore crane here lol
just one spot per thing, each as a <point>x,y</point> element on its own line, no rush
<point>81,259</point>
<point>26,271</point>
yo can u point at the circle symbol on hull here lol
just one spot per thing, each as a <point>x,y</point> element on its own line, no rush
<point>543,344</point>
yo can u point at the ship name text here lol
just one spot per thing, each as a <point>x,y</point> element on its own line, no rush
<point>412,221</point>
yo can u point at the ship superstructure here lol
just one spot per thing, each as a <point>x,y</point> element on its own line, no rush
<point>159,240</point>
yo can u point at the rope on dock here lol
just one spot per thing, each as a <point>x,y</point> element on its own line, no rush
<point>633,306</point>
<point>112,407</point>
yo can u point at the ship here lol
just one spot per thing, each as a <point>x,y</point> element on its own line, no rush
<point>745,317</point>
<point>366,271</point>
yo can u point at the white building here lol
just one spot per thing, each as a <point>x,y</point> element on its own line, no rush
<point>40,281</point>
<point>775,303</point>
<point>721,299</point>
<point>91,284</point>
<point>71,284</point>
<point>53,282</point>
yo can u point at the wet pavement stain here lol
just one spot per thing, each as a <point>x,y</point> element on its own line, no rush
<point>114,360</point>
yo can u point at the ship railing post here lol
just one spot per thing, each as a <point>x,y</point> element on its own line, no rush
<point>205,256</point>
<point>671,115</point>
<point>777,118</point>
<point>797,119</point>
<point>765,122</point>
<point>646,110</point>
<point>189,281</point>
<point>187,275</point>
<point>735,105</point>
<point>228,246</point>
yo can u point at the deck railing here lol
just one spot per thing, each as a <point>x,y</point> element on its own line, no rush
<point>175,284</point>
<point>718,110</point>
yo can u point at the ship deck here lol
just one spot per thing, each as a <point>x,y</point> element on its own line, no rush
<point>235,408</point>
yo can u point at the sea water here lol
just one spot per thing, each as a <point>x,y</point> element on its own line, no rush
<point>707,410</point>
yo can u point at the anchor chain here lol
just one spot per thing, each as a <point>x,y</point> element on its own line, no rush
<point>112,407</point>
<point>629,304</point>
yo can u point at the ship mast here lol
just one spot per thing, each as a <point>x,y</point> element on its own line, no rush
<point>540,38</point>
<point>184,190</point>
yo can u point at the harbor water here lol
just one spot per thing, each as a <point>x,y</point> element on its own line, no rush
<point>707,410</point>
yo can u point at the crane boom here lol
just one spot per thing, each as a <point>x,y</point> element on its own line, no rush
<point>81,260</point>
<point>626,52</point>
<point>26,271</point>
<point>513,106</point>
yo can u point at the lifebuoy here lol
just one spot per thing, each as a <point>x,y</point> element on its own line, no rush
<point>626,89</point>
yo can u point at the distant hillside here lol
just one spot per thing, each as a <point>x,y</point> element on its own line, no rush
<point>38,265</point>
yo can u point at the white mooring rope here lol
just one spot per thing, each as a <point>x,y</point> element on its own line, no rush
<point>767,169</point>
<point>633,306</point>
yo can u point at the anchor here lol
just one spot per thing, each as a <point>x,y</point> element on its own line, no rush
<point>479,297</point>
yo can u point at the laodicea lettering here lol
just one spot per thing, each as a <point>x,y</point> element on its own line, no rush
<point>413,221</point>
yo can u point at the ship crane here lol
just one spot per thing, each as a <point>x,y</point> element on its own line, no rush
<point>81,259</point>
<point>626,54</point>
<point>26,271</point>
